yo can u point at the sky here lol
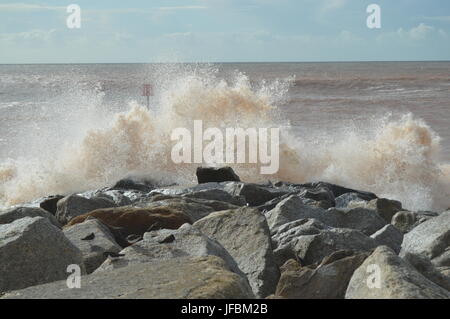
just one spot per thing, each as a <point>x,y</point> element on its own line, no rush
<point>117,31</point>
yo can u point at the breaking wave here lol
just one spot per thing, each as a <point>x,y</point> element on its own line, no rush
<point>396,158</point>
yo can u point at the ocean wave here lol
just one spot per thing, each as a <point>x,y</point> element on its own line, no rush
<point>396,158</point>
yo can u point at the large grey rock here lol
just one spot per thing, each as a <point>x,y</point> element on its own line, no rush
<point>329,280</point>
<point>245,235</point>
<point>430,239</point>
<point>9,215</point>
<point>165,244</point>
<point>389,236</point>
<point>75,205</point>
<point>294,208</point>
<point>33,252</point>
<point>309,241</point>
<point>397,279</point>
<point>177,278</point>
<point>217,195</point>
<point>338,190</point>
<point>406,221</point>
<point>93,249</point>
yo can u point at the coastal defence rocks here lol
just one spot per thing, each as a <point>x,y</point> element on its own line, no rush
<point>223,239</point>
<point>33,252</point>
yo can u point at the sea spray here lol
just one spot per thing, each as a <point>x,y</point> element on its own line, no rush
<point>397,158</point>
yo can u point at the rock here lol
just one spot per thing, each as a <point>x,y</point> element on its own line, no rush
<point>33,251</point>
<point>319,195</point>
<point>130,184</point>
<point>294,208</point>
<point>385,207</point>
<point>253,194</point>
<point>368,221</point>
<point>340,190</point>
<point>406,221</point>
<point>195,208</point>
<point>345,199</point>
<point>329,280</point>
<point>217,195</point>
<point>136,221</point>
<point>9,215</point>
<point>389,236</point>
<point>50,203</point>
<point>310,240</point>
<point>75,205</point>
<point>117,197</point>
<point>245,235</point>
<point>214,174</point>
<point>165,244</point>
<point>177,278</point>
<point>430,239</point>
<point>93,250</point>
<point>426,268</point>
<point>397,279</point>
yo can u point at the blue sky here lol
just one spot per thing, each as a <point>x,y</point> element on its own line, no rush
<point>223,31</point>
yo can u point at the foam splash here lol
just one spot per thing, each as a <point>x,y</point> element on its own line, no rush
<point>396,159</point>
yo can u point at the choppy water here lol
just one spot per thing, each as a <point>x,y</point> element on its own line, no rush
<point>382,127</point>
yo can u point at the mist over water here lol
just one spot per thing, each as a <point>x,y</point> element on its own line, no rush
<point>68,129</point>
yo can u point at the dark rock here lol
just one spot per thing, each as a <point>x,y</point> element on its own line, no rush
<point>345,199</point>
<point>9,215</point>
<point>214,174</point>
<point>406,221</point>
<point>49,203</point>
<point>385,207</point>
<point>389,236</point>
<point>253,194</point>
<point>130,184</point>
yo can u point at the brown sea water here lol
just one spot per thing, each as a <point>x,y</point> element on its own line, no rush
<point>382,127</point>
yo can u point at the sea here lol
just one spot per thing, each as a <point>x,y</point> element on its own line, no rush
<point>377,126</point>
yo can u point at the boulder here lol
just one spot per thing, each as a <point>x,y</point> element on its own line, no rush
<point>384,275</point>
<point>217,195</point>
<point>389,236</point>
<point>93,239</point>
<point>338,190</point>
<point>426,268</point>
<point>385,207</point>
<point>406,221</point>
<point>165,244</point>
<point>33,251</point>
<point>216,174</point>
<point>75,205</point>
<point>9,215</point>
<point>309,241</point>
<point>319,195</point>
<point>253,194</point>
<point>117,196</point>
<point>430,239</point>
<point>50,203</point>
<point>176,278</point>
<point>329,280</point>
<point>130,184</point>
<point>244,233</point>
<point>294,208</point>
<point>136,221</point>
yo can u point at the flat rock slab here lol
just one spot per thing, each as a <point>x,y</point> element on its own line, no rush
<point>93,239</point>
<point>33,252</point>
<point>177,278</point>
<point>245,235</point>
<point>392,279</point>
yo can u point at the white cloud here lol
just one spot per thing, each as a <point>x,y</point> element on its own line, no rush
<point>330,5</point>
<point>26,6</point>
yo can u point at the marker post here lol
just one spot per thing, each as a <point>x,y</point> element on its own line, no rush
<point>147,91</point>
